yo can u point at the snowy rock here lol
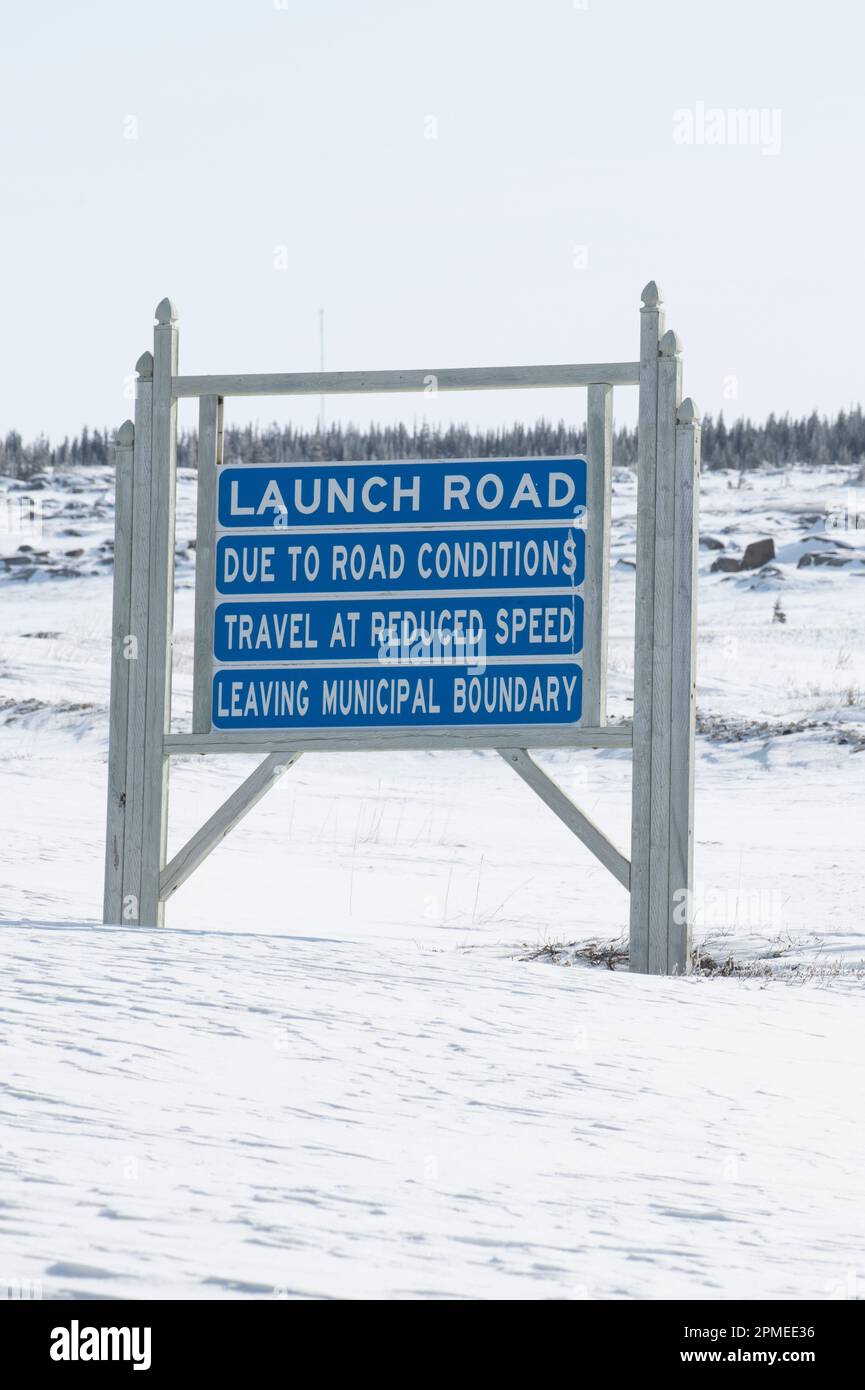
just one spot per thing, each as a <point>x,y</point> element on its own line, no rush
<point>758,554</point>
<point>823,557</point>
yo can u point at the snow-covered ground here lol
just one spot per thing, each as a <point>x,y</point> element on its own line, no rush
<point>339,1071</point>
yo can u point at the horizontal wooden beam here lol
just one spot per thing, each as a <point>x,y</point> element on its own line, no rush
<point>239,804</point>
<point>419,379</point>
<point>395,740</point>
<point>585,829</point>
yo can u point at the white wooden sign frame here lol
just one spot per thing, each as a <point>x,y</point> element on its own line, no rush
<point>138,877</point>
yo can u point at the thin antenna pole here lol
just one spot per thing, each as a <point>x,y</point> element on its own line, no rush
<point>321,368</point>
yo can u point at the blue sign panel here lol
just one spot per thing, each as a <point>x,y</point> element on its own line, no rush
<point>464,630</point>
<point>420,595</point>
<point>364,697</point>
<point>410,561</point>
<point>399,494</point>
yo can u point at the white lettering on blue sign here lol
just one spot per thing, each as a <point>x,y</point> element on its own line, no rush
<point>370,630</point>
<point>550,557</point>
<point>365,698</point>
<point>392,493</point>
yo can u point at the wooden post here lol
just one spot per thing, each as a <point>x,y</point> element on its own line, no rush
<point>651,326</point>
<point>599,482</point>
<point>140,585</point>
<point>660,896</point>
<point>160,615</point>
<point>663,755</point>
<point>115,837</point>
<point>209,459</point>
<point>684,669</point>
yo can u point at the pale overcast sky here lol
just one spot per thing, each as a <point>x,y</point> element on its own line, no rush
<point>461,183</point>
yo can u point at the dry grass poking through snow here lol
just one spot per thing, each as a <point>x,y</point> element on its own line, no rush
<point>614,955</point>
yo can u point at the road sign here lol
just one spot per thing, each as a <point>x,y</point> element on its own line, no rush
<point>385,494</point>
<point>491,559</point>
<point>418,605</point>
<point>438,593</point>
<point>399,630</point>
<point>364,697</point>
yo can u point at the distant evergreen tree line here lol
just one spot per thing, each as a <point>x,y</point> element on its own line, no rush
<point>813,439</point>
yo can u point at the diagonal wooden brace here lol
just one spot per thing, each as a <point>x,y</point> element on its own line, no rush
<point>585,829</point>
<point>241,801</point>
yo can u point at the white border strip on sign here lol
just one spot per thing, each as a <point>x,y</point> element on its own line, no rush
<point>397,594</point>
<point>569,523</point>
<point>373,663</point>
